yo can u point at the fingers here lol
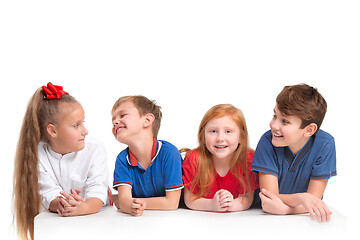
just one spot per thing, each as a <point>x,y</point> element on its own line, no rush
<point>138,207</point>
<point>321,214</point>
<point>65,209</point>
<point>78,191</point>
<point>66,196</point>
<point>225,198</point>
<point>76,195</point>
<point>317,208</point>
<point>267,193</point>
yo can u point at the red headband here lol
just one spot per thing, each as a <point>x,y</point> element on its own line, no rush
<point>53,91</point>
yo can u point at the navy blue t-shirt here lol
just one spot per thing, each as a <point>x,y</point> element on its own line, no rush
<point>315,161</point>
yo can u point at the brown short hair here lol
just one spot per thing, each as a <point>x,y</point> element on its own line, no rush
<point>144,106</point>
<point>304,102</point>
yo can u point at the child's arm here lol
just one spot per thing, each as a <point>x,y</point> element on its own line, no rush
<point>310,201</point>
<point>242,202</point>
<point>74,205</point>
<point>127,203</point>
<point>59,204</point>
<point>203,204</point>
<point>169,202</point>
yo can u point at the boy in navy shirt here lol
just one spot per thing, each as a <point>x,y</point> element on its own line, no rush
<point>148,173</point>
<point>295,158</point>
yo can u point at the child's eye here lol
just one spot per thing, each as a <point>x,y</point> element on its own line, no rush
<point>122,115</point>
<point>228,131</point>
<point>274,116</point>
<point>285,121</point>
<point>212,131</point>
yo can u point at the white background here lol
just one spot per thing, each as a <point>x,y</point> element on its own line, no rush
<point>188,56</point>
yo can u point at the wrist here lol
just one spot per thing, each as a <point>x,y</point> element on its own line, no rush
<point>239,204</point>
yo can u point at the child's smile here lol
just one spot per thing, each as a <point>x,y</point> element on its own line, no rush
<point>222,137</point>
<point>286,131</point>
<point>126,122</point>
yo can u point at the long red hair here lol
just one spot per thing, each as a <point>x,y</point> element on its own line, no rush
<point>205,171</point>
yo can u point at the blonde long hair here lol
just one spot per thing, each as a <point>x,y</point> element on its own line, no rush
<point>27,201</point>
<point>205,172</point>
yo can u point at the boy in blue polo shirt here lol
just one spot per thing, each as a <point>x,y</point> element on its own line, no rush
<point>295,158</point>
<point>148,173</point>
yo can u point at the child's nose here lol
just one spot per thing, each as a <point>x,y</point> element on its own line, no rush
<point>220,137</point>
<point>85,131</point>
<point>273,124</point>
<point>116,121</point>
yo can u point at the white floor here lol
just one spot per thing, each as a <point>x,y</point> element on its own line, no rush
<point>188,224</point>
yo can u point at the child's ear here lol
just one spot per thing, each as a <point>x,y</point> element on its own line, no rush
<point>149,119</point>
<point>310,129</point>
<point>51,130</point>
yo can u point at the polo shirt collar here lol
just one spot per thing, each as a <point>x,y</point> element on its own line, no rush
<point>132,161</point>
<point>295,160</point>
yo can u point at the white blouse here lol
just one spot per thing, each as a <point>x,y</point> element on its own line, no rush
<point>86,170</point>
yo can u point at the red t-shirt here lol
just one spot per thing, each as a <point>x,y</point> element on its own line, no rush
<point>228,182</point>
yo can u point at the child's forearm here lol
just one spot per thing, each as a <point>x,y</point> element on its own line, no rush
<point>90,206</point>
<point>163,203</point>
<point>241,203</point>
<point>292,200</point>
<point>169,202</point>
<point>159,203</point>
<point>124,204</point>
<point>296,201</point>
<point>202,204</point>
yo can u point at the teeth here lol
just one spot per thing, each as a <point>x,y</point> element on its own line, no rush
<point>220,146</point>
<point>120,128</point>
<point>276,135</point>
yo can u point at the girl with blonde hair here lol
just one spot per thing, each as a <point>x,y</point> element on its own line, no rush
<point>54,166</point>
<point>217,174</point>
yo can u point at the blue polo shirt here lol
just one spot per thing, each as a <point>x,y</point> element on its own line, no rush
<point>163,173</point>
<point>315,161</point>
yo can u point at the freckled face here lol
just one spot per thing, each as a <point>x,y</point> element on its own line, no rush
<point>222,137</point>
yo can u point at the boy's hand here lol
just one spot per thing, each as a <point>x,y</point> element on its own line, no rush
<point>138,206</point>
<point>271,203</point>
<point>316,207</point>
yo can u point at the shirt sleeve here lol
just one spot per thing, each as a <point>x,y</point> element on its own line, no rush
<point>265,157</point>
<point>189,169</point>
<point>96,183</point>
<point>325,164</point>
<point>122,173</point>
<point>49,189</point>
<point>254,178</point>
<point>173,174</point>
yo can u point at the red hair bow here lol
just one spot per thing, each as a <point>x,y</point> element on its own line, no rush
<point>53,91</point>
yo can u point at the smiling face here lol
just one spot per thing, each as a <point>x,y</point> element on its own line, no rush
<point>286,131</point>
<point>68,135</point>
<point>127,122</point>
<point>222,137</point>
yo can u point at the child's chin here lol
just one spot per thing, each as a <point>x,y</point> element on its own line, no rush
<point>277,144</point>
<point>80,148</point>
